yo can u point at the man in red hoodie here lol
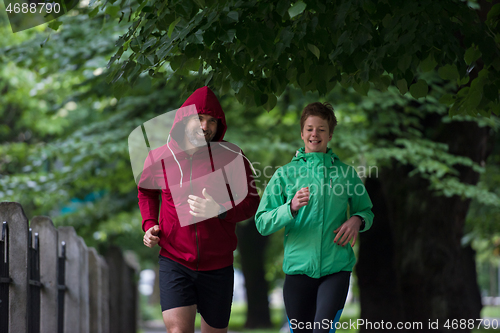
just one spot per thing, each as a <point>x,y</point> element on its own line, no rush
<point>198,214</point>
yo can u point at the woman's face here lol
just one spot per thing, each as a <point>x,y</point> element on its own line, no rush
<point>315,134</point>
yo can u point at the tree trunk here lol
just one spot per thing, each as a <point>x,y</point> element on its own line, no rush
<point>412,266</point>
<point>252,247</point>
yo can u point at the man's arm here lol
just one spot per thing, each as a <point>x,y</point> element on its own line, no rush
<point>149,198</point>
<point>149,205</point>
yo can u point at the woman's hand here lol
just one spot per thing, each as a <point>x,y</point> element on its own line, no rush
<point>300,199</point>
<point>347,231</point>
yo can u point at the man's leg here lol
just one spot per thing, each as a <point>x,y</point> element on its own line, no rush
<point>177,296</point>
<point>215,295</point>
<point>180,320</point>
<point>205,328</point>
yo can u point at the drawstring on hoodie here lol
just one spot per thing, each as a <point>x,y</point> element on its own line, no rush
<point>239,153</point>
<point>179,165</point>
<point>175,158</point>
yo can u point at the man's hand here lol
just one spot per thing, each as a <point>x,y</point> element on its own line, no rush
<point>203,207</point>
<point>151,236</point>
<point>347,231</point>
<point>300,199</point>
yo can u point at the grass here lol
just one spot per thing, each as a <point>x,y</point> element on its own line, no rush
<point>350,313</point>
<point>490,312</point>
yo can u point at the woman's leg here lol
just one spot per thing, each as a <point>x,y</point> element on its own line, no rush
<point>332,293</point>
<point>299,294</point>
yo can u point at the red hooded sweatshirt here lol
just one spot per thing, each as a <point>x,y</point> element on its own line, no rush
<point>172,174</point>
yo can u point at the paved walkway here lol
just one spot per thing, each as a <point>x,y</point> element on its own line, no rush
<point>157,326</point>
<point>153,326</point>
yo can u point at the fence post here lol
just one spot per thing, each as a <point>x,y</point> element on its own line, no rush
<point>61,286</point>
<point>132,309</point>
<point>105,294</point>
<point>48,271</point>
<point>4,278</point>
<point>34,282</point>
<point>73,274</point>
<point>115,261</point>
<point>96,290</point>
<point>17,244</point>
<point>84,286</point>
<point>122,293</point>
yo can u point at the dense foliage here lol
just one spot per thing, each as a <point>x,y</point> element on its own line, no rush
<point>257,48</point>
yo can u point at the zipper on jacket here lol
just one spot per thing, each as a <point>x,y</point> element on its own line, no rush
<point>325,176</point>
<point>195,227</point>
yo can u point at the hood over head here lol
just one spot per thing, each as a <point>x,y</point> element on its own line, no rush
<point>202,101</point>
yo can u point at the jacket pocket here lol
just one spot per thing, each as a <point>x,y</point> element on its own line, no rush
<point>167,229</point>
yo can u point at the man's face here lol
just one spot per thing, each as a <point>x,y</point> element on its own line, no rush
<point>200,129</point>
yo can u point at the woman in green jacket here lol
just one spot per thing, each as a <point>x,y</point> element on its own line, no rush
<point>322,204</point>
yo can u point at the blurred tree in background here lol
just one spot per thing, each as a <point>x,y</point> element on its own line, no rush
<point>393,81</point>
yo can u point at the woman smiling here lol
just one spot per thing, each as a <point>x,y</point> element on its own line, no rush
<point>311,197</point>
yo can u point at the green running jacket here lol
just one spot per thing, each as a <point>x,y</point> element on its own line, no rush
<point>336,192</point>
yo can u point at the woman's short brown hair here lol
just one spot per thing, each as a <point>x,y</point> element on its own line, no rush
<point>322,110</point>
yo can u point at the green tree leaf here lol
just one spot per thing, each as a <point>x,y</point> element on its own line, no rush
<point>361,88</point>
<point>233,15</point>
<point>271,103</point>
<point>428,64</point>
<point>54,25</point>
<point>494,11</point>
<point>112,10</point>
<point>314,49</point>
<point>447,99</point>
<point>419,89</point>
<point>449,72</point>
<point>402,86</point>
<point>471,55</point>
<point>404,62</point>
<point>171,27</point>
<point>296,9</point>
<point>94,12</point>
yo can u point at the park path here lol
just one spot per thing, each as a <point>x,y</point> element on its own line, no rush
<point>152,326</point>
<point>156,326</point>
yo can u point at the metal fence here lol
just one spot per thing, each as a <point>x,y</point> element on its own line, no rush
<point>51,282</point>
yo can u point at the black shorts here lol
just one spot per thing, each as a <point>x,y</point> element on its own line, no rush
<point>211,291</point>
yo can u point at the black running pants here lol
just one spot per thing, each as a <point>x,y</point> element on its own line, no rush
<point>315,305</point>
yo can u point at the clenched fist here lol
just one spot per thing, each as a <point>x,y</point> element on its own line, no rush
<point>151,236</point>
<point>300,199</point>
